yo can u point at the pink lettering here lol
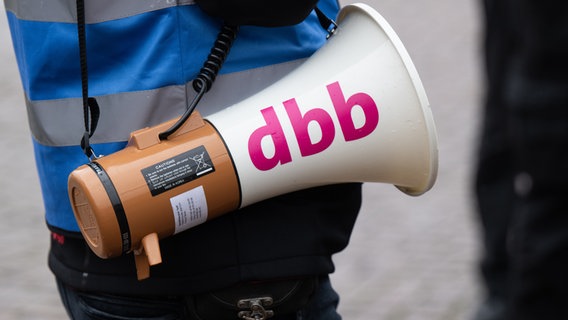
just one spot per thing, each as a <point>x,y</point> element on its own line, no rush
<point>343,108</point>
<point>300,124</point>
<point>272,129</point>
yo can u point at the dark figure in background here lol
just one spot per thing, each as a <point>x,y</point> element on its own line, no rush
<point>523,161</point>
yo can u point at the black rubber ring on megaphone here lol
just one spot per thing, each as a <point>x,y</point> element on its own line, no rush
<point>116,205</point>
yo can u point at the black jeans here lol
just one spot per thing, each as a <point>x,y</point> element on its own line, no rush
<point>101,306</point>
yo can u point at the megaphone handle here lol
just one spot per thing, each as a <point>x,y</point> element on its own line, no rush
<point>148,255</point>
<point>142,266</point>
<point>164,135</point>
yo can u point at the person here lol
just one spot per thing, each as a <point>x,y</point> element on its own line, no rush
<point>523,161</point>
<point>138,63</point>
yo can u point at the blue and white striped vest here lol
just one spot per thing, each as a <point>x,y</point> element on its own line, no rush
<point>142,56</point>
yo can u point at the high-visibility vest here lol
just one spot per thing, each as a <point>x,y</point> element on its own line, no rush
<point>142,56</point>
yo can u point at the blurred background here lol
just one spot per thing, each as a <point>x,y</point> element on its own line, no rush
<point>410,258</point>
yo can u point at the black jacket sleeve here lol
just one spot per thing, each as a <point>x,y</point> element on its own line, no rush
<point>268,13</point>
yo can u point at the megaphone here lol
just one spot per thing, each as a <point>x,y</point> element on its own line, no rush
<point>356,111</point>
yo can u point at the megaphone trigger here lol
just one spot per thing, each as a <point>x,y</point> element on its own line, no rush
<point>148,254</point>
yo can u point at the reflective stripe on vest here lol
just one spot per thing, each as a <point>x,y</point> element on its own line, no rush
<point>123,113</point>
<point>96,11</point>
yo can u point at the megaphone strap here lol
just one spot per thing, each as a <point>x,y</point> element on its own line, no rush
<point>328,24</point>
<point>91,109</point>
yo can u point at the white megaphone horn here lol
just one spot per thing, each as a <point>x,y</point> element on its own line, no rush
<point>355,111</point>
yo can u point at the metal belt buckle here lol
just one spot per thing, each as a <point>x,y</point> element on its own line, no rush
<point>256,306</point>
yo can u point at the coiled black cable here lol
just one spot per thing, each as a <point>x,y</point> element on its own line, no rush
<point>207,74</point>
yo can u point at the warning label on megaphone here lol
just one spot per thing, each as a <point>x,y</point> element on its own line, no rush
<point>178,170</point>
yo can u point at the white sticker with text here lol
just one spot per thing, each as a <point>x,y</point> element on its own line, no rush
<point>189,209</point>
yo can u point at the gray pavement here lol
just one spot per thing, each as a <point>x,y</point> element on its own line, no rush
<point>410,258</point>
